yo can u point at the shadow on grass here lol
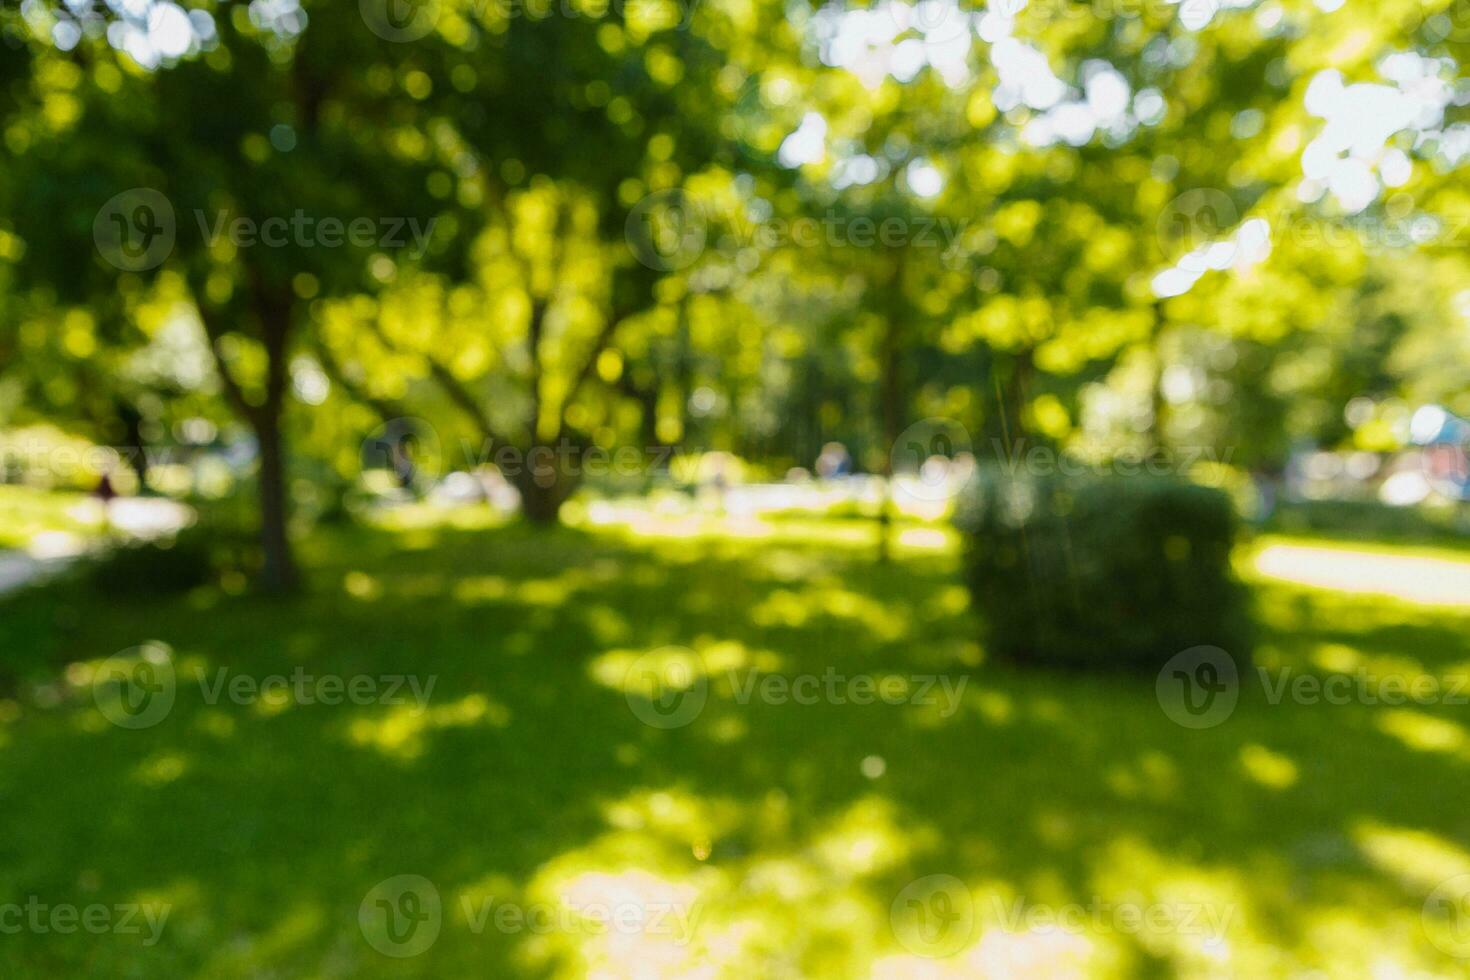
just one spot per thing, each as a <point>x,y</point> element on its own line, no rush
<point>765,836</point>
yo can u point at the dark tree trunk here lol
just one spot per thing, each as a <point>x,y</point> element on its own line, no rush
<point>278,572</point>
<point>890,396</point>
<point>133,443</point>
<point>889,409</point>
<point>544,486</point>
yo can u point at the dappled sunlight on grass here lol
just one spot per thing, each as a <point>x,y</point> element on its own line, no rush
<point>1269,769</point>
<point>657,673</point>
<point>765,899</point>
<point>787,607</point>
<point>400,732</point>
<point>416,516</point>
<point>1423,579</point>
<point>780,832</point>
<point>29,512</point>
<point>1417,858</point>
<point>1425,733</point>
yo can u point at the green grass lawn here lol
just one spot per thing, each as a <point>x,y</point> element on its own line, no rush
<point>26,512</point>
<point>758,840</point>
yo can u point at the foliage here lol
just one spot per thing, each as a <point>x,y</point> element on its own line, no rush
<point>1102,571</point>
<point>203,553</point>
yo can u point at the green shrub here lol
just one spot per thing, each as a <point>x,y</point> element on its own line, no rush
<point>196,555</point>
<point>160,567</point>
<point>1100,570</point>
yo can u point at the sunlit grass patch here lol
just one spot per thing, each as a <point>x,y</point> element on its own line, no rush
<point>759,836</point>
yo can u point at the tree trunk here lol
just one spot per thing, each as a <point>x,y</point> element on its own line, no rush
<point>272,309</point>
<point>544,486</point>
<point>133,442</point>
<point>889,408</point>
<point>278,573</point>
<point>890,397</point>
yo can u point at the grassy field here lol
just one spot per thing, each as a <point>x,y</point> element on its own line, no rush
<point>26,512</point>
<point>759,838</point>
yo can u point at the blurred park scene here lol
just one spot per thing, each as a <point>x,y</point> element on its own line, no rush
<point>734,488</point>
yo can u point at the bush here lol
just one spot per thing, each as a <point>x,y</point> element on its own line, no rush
<point>196,556</point>
<point>161,567</point>
<point>1102,570</point>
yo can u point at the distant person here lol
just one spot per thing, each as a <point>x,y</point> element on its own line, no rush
<point>105,493</point>
<point>834,462</point>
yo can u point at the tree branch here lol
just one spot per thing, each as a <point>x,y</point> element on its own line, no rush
<point>453,388</point>
<point>234,394</point>
<point>386,408</point>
